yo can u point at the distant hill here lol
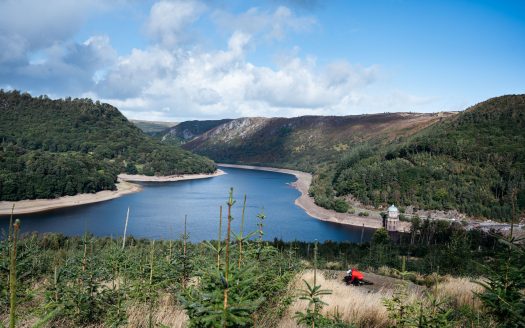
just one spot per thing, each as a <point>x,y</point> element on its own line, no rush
<point>61,147</point>
<point>153,127</point>
<point>189,130</point>
<point>302,142</point>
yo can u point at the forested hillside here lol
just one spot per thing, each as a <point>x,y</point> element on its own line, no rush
<point>474,162</point>
<point>61,147</point>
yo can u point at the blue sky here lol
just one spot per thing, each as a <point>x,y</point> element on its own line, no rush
<point>179,60</point>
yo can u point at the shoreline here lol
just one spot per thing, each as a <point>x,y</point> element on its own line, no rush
<point>124,185</point>
<point>307,203</point>
<point>29,206</point>
<point>168,178</point>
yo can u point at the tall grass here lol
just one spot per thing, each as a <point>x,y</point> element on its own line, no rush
<point>460,291</point>
<point>354,304</point>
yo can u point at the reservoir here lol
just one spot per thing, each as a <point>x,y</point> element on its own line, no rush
<point>158,211</point>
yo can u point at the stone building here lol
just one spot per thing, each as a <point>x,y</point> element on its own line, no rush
<point>392,220</point>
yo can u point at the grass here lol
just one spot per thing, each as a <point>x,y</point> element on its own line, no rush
<point>166,313</point>
<point>460,291</point>
<point>364,307</point>
<point>355,305</point>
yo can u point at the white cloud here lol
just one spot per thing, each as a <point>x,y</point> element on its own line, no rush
<point>171,80</point>
<point>29,25</point>
<point>71,68</point>
<point>168,19</point>
<point>268,24</point>
<point>37,48</point>
<point>224,83</point>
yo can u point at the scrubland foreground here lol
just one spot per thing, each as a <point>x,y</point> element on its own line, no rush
<point>439,275</point>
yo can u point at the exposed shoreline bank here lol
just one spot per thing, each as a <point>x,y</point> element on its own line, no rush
<point>29,206</point>
<point>124,185</point>
<point>304,180</point>
<point>168,178</point>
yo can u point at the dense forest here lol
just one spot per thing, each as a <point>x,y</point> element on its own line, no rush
<point>243,280</point>
<point>473,162</point>
<point>51,148</point>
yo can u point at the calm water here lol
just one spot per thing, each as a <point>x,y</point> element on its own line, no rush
<point>158,211</point>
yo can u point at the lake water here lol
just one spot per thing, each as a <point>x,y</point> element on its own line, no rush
<point>158,211</point>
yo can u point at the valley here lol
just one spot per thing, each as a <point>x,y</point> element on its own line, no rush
<point>262,164</point>
<point>456,166</point>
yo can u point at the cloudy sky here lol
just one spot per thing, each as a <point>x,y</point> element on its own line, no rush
<point>178,60</point>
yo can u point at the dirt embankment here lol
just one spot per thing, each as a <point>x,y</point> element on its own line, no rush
<point>168,178</point>
<point>41,205</point>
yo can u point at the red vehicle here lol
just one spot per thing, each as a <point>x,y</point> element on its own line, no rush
<point>354,277</point>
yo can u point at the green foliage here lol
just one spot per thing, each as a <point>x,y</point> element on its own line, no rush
<point>340,205</point>
<point>30,174</point>
<point>312,294</point>
<point>52,148</point>
<point>380,236</point>
<point>504,288</point>
<point>205,305</point>
<point>230,295</point>
<point>424,312</point>
<point>427,312</point>
<point>470,162</point>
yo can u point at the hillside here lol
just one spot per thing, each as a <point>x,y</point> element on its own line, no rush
<point>153,127</point>
<point>302,142</point>
<point>189,130</point>
<point>52,148</point>
<point>473,162</point>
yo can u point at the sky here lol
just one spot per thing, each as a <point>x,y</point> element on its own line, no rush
<point>177,60</point>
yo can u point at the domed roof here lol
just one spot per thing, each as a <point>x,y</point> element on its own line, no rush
<point>393,209</point>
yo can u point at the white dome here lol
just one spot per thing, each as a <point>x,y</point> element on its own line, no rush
<point>393,209</point>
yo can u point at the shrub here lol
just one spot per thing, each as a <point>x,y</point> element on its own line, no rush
<point>341,206</point>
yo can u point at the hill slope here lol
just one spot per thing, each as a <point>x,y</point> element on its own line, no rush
<point>302,142</point>
<point>153,127</point>
<point>189,130</point>
<point>473,162</point>
<point>52,148</point>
